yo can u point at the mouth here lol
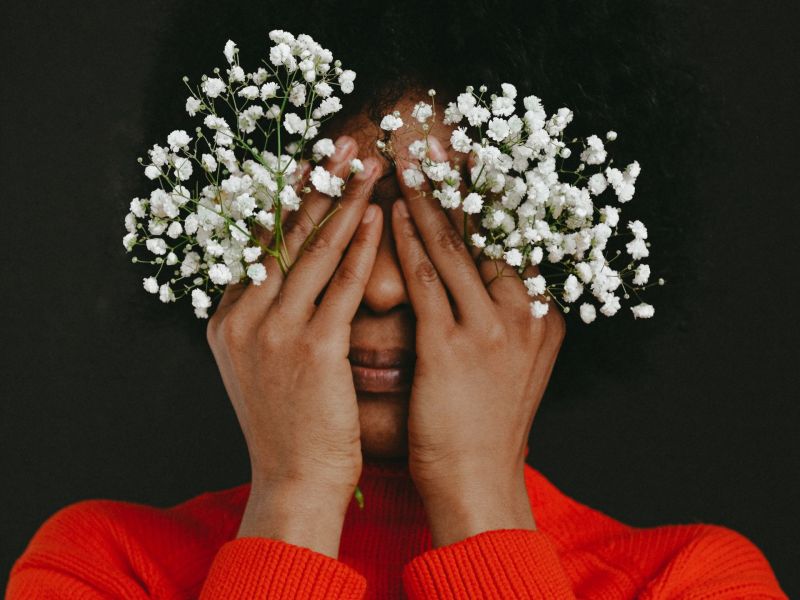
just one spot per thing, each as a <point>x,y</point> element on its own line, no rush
<point>382,371</point>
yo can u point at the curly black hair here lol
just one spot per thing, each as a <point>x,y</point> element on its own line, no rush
<point>617,64</point>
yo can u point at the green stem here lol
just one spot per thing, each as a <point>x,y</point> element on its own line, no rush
<point>359,496</point>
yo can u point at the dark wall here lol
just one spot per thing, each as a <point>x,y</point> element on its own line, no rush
<point>105,393</point>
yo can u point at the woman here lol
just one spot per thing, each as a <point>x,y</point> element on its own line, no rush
<point>389,359</point>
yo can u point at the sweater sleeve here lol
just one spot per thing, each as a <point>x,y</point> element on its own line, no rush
<point>503,563</point>
<point>270,569</point>
<point>85,552</point>
<point>718,563</point>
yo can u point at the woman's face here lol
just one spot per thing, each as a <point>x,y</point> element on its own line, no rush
<point>382,339</point>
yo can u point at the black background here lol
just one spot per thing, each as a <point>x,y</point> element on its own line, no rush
<point>104,396</point>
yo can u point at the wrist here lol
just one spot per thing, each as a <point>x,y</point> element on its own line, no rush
<point>466,511</point>
<point>299,515</point>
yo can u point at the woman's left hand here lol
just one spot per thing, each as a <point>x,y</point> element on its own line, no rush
<point>483,364</point>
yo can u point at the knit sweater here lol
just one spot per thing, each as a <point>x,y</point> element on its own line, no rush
<point>97,549</point>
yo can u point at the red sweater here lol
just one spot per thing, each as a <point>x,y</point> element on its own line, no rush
<point>104,549</point>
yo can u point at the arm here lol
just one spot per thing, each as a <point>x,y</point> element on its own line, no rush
<point>482,366</point>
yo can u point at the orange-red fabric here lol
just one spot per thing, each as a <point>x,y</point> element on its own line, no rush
<point>101,549</point>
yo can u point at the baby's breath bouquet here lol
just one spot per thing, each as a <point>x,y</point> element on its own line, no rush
<point>533,195</point>
<point>237,171</point>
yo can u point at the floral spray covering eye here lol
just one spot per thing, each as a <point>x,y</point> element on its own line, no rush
<point>538,200</point>
<point>237,171</point>
<point>534,198</point>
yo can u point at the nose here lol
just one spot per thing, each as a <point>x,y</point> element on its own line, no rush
<point>386,288</point>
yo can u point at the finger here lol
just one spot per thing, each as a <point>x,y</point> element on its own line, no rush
<point>444,244</point>
<point>425,288</point>
<point>314,206</point>
<point>317,263</point>
<point>505,286</point>
<point>346,290</point>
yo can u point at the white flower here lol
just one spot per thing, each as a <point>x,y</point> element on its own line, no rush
<point>230,51</point>
<point>642,274</point>
<point>250,92</point>
<point>417,149</point>
<point>642,311</point>
<point>201,303</point>
<point>297,94</point>
<point>257,273</point>
<point>391,123</point>
<point>346,79</point>
<point>322,89</point>
<point>178,140</point>
<point>588,312</point>
<point>268,90</point>
<point>325,182</point>
<point>413,178</point>
<point>597,184</point>
<point>280,55</point>
<point>572,289</point>
<point>460,140</point>
<point>192,105</point>
<point>183,167</point>
<point>638,229</point>
<point>251,253</point>
<point>610,216</point>
<point>422,111</point>
<point>478,240</point>
<point>535,285</point>
<point>513,257</point>
<point>213,87</point>
<point>152,172</point>
<point>165,293</point>
<point>509,90</point>
<point>473,203</point>
<point>610,306</point>
<point>611,136</point>
<point>209,162</point>
<point>498,129</point>
<point>175,229</point>
<point>637,248</point>
<point>219,274</point>
<point>539,309</point>
<point>156,246</point>
<point>356,166</point>
<point>595,153</point>
<point>150,284</point>
<point>129,241</point>
<point>289,198</point>
<point>322,148</point>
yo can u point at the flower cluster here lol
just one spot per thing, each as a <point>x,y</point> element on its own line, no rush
<point>537,199</point>
<point>237,172</point>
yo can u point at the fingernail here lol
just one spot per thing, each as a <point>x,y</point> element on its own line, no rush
<point>436,147</point>
<point>401,208</point>
<point>342,146</point>
<point>370,214</point>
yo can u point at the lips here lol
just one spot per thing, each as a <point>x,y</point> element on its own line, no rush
<point>382,371</point>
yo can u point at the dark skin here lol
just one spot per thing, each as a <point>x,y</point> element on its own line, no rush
<point>406,280</point>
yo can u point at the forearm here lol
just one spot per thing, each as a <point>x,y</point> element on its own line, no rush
<point>311,519</point>
<point>466,511</point>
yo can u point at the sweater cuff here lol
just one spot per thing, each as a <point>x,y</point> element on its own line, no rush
<point>253,567</point>
<point>503,563</point>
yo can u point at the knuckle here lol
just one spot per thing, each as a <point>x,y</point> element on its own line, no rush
<point>349,274</point>
<point>447,238</point>
<point>495,334</point>
<point>232,330</point>
<point>270,337</point>
<point>425,272</point>
<point>318,244</point>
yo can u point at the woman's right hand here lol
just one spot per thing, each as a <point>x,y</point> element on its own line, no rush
<point>284,363</point>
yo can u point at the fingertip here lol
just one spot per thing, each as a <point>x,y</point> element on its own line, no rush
<point>437,149</point>
<point>400,208</point>
<point>370,214</point>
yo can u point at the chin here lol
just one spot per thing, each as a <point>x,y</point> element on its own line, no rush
<point>384,425</point>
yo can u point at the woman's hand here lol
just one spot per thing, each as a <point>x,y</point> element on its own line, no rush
<point>283,360</point>
<point>482,368</point>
